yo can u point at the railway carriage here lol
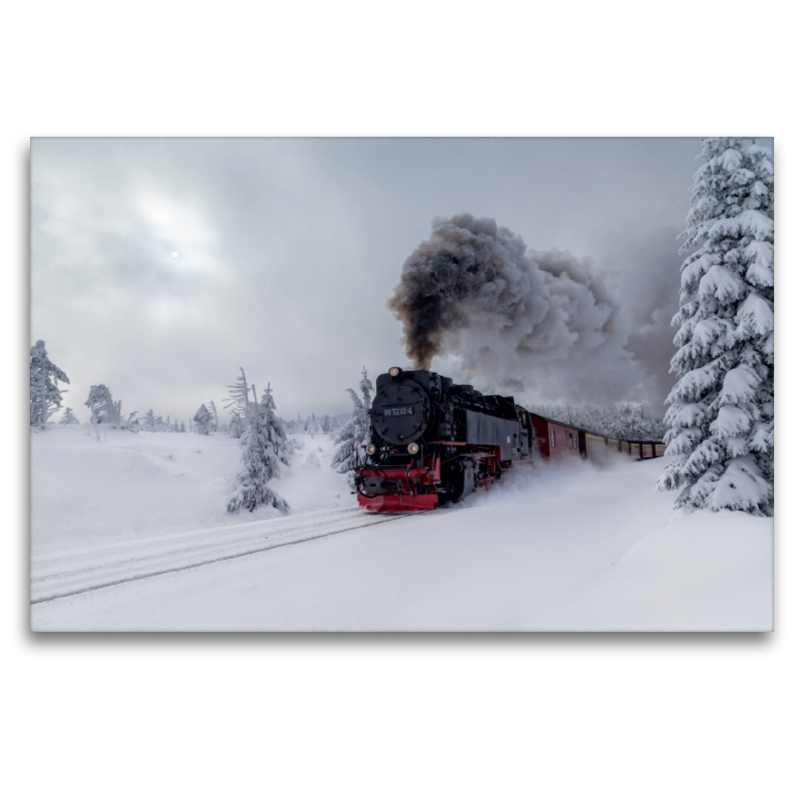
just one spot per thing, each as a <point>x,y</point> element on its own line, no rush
<point>554,439</point>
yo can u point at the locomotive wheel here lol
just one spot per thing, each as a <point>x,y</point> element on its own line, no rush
<point>460,479</point>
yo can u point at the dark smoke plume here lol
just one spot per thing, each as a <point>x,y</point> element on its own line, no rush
<point>514,318</point>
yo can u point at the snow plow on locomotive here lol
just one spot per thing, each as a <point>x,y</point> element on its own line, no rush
<point>434,441</point>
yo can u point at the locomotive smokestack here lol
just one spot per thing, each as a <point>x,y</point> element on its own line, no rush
<point>473,292</point>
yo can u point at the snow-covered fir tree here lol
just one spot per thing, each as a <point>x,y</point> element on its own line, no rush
<point>338,421</point>
<point>275,430</point>
<point>202,420</point>
<point>214,416</point>
<point>183,428</point>
<point>356,430</point>
<point>100,403</point>
<point>721,415</point>
<point>260,451</point>
<point>239,392</point>
<point>45,394</point>
<point>236,427</point>
<point>69,417</point>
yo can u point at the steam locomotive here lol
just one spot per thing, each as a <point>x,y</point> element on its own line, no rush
<point>433,442</point>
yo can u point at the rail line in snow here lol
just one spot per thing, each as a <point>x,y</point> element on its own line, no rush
<point>198,549</point>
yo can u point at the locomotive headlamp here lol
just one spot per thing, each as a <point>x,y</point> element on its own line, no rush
<point>413,448</point>
<point>371,449</point>
<point>394,371</point>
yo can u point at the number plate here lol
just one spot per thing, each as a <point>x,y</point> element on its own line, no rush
<point>398,411</point>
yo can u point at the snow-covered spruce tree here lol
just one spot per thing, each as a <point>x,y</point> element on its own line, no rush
<point>236,426</point>
<point>721,415</point>
<point>45,394</point>
<point>104,410</point>
<point>69,417</point>
<point>276,434</point>
<point>260,442</point>
<point>355,432</point>
<point>214,416</point>
<point>239,399</point>
<point>202,420</point>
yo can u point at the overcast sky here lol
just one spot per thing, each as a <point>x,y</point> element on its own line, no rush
<point>161,266</point>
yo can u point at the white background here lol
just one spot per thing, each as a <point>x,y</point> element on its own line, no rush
<point>393,716</point>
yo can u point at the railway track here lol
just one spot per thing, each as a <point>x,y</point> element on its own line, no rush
<point>94,569</point>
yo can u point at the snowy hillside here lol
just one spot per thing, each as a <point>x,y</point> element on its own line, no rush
<point>131,533</point>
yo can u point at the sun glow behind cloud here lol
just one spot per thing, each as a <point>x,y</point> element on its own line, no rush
<point>189,237</point>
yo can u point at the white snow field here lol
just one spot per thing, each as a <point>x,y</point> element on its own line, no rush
<point>130,533</point>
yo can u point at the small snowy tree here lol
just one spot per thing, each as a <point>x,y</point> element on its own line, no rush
<point>720,420</point>
<point>236,426</point>
<point>202,420</point>
<point>45,394</point>
<point>356,431</point>
<point>239,399</point>
<point>260,443</point>
<point>69,418</point>
<point>104,410</point>
<point>214,416</point>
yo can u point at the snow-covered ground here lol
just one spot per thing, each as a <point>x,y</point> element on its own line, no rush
<point>131,533</point>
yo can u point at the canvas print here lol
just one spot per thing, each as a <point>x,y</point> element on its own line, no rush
<point>382,384</point>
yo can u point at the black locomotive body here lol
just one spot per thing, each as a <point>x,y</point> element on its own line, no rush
<point>434,441</point>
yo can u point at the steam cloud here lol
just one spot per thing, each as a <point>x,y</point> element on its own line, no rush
<point>508,317</point>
